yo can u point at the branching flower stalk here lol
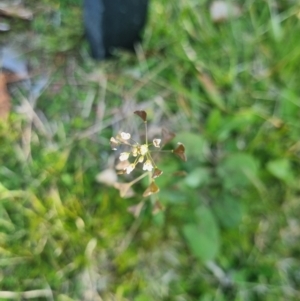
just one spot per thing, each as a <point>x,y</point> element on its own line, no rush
<point>141,154</point>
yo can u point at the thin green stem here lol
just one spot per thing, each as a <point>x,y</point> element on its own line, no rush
<point>151,159</point>
<point>162,151</point>
<point>138,178</point>
<point>136,160</point>
<point>146,131</point>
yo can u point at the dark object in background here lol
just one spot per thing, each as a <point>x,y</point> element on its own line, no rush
<point>113,24</point>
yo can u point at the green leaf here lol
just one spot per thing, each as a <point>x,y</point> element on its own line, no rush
<point>229,211</point>
<point>197,177</point>
<point>238,170</point>
<point>3,188</point>
<point>141,298</point>
<point>221,127</point>
<point>289,106</point>
<point>281,169</point>
<point>213,123</point>
<point>203,236</point>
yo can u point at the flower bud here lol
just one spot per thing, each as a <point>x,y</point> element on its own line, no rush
<point>143,149</point>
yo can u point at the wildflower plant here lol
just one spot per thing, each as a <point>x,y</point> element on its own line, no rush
<point>140,155</point>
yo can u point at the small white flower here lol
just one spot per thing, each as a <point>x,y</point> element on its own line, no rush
<point>141,159</point>
<point>125,136</point>
<point>148,165</point>
<point>124,156</point>
<point>143,149</point>
<point>130,168</point>
<point>156,142</point>
<point>134,151</point>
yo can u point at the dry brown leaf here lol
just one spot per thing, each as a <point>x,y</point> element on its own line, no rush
<point>5,104</point>
<point>157,172</point>
<point>141,114</point>
<point>208,83</point>
<point>15,77</point>
<point>152,189</point>
<point>180,151</point>
<point>107,176</point>
<point>16,11</point>
<point>124,189</point>
<point>5,100</point>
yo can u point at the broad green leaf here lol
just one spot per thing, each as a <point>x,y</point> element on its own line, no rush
<point>276,26</point>
<point>3,188</point>
<point>141,298</point>
<point>203,236</point>
<point>229,211</point>
<point>281,169</point>
<point>289,106</point>
<point>238,170</point>
<point>221,127</point>
<point>169,166</point>
<point>197,177</point>
<point>213,123</point>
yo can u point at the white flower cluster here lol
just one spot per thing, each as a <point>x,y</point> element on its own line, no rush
<point>140,152</point>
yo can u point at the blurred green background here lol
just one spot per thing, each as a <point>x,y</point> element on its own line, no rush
<point>230,90</point>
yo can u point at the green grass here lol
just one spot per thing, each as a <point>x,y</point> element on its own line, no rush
<point>230,227</point>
